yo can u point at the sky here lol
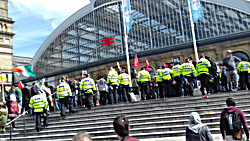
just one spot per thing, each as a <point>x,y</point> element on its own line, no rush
<point>35,20</point>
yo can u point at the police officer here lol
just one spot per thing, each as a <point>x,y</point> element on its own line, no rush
<point>123,82</point>
<point>242,69</point>
<point>143,79</point>
<point>112,82</point>
<point>203,72</point>
<point>176,74</point>
<point>188,72</point>
<point>159,76</point>
<point>166,76</point>
<point>65,97</point>
<point>87,86</point>
<point>39,106</point>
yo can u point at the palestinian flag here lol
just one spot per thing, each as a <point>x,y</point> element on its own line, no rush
<point>26,70</point>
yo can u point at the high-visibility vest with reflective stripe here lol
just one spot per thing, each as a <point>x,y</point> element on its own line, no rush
<point>166,74</point>
<point>144,76</point>
<point>87,85</point>
<point>112,77</point>
<point>176,70</point>
<point>63,90</point>
<point>158,75</point>
<point>38,102</point>
<point>202,66</point>
<point>187,69</point>
<point>243,66</point>
<point>123,79</point>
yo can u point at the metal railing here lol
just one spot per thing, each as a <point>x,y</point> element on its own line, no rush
<point>10,123</point>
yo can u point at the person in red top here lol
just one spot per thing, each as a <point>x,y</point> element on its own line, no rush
<point>121,127</point>
<point>230,109</point>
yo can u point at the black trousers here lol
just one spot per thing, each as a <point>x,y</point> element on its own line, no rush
<point>103,97</point>
<point>178,86</point>
<point>204,83</point>
<point>167,88</point>
<point>144,91</point>
<point>64,102</point>
<point>160,87</point>
<point>25,105</point>
<point>189,89</point>
<point>125,93</point>
<point>244,82</point>
<point>88,100</point>
<point>38,120</point>
<point>113,98</point>
<point>13,123</point>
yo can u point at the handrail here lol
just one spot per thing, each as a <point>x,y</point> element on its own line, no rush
<point>22,114</point>
<point>17,118</point>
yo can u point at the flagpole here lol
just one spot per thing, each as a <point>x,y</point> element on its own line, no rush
<point>126,43</point>
<point>193,33</point>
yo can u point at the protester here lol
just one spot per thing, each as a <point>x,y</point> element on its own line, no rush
<point>102,87</point>
<point>121,127</point>
<point>3,116</point>
<point>26,95</point>
<point>34,89</point>
<point>75,92</point>
<point>232,119</point>
<point>13,106</point>
<point>81,137</point>
<point>229,64</point>
<point>196,131</point>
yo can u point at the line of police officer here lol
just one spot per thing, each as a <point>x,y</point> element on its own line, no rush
<point>180,76</point>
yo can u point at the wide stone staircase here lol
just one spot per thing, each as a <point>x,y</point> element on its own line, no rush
<point>151,119</point>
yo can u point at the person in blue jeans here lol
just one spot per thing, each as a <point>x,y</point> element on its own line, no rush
<point>75,92</point>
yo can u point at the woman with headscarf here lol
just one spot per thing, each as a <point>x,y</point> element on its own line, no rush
<point>196,131</point>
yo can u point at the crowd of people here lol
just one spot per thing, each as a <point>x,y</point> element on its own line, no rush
<point>168,81</point>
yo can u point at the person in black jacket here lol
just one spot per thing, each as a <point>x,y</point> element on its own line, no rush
<point>26,95</point>
<point>34,89</point>
<point>196,131</point>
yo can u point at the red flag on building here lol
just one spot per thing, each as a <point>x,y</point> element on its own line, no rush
<point>136,62</point>
<point>147,65</point>
<point>20,85</point>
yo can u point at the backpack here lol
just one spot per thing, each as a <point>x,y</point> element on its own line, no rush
<point>233,125</point>
<point>213,67</point>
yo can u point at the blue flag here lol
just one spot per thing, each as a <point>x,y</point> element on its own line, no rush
<point>127,14</point>
<point>196,10</point>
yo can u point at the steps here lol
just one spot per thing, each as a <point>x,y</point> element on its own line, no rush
<point>148,119</point>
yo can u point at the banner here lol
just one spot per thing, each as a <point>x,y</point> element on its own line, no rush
<point>3,78</point>
<point>196,10</point>
<point>127,15</point>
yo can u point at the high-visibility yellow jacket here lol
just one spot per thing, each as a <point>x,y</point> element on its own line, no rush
<point>38,102</point>
<point>166,74</point>
<point>87,85</point>
<point>159,75</point>
<point>144,76</point>
<point>187,69</point>
<point>63,90</point>
<point>202,66</point>
<point>176,70</point>
<point>112,77</point>
<point>123,79</point>
<point>243,66</point>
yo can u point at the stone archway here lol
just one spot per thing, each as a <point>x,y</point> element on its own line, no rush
<point>241,54</point>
